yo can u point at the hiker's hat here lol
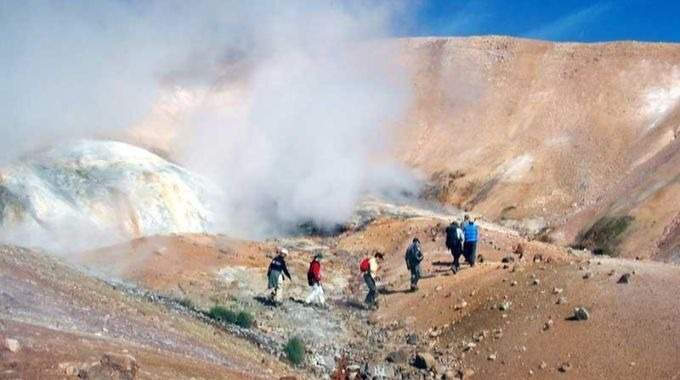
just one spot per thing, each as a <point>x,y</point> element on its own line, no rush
<point>282,251</point>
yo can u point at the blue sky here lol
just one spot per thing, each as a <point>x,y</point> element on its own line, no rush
<point>557,20</point>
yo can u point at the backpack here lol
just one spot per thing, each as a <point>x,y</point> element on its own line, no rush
<point>365,265</point>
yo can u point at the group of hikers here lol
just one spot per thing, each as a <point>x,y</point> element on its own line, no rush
<point>461,240</point>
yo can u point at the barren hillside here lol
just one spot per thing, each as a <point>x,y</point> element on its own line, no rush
<point>554,135</point>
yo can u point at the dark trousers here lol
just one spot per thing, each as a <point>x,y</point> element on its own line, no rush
<point>372,296</point>
<point>415,275</point>
<point>456,252</point>
<point>470,252</point>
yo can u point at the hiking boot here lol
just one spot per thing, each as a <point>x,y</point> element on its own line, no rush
<point>455,269</point>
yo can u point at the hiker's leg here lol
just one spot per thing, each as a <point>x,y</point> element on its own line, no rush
<point>310,297</point>
<point>473,253</point>
<point>456,258</point>
<point>320,296</point>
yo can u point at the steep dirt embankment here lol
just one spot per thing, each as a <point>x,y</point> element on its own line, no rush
<point>69,325</point>
<point>556,135</point>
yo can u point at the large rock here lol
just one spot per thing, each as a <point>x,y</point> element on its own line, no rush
<point>581,314</point>
<point>109,190</point>
<point>11,345</point>
<point>424,360</point>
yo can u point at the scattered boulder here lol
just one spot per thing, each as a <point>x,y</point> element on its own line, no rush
<point>505,305</point>
<point>491,357</point>
<point>565,367</point>
<point>536,282</point>
<point>624,279</point>
<point>548,324</point>
<point>398,357</point>
<point>11,345</point>
<point>424,360</point>
<point>412,339</point>
<point>461,305</point>
<point>581,314</point>
<point>112,366</point>
<point>508,259</point>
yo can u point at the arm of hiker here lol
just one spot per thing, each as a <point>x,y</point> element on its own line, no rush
<point>285,271</point>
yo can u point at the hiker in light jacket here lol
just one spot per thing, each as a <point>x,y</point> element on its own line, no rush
<point>370,278</point>
<point>413,257</point>
<point>277,269</point>
<point>471,233</point>
<point>454,242</point>
<point>316,296</point>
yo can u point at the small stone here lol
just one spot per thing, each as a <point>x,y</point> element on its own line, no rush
<point>611,272</point>
<point>587,275</point>
<point>548,324</point>
<point>624,279</point>
<point>513,283</point>
<point>564,367</point>
<point>508,259</point>
<point>461,305</point>
<point>12,345</point>
<point>561,300</point>
<point>543,365</point>
<point>491,357</point>
<point>581,314</point>
<point>557,290</point>
<point>504,306</point>
<point>536,281</point>
<point>469,346</point>
<point>412,339</point>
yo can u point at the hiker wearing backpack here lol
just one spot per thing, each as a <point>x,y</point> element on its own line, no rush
<point>369,268</point>
<point>454,242</point>
<point>471,233</point>
<point>277,270</point>
<point>413,257</point>
<point>314,280</point>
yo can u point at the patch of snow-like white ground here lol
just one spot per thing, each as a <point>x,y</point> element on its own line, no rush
<point>659,100</point>
<point>93,193</point>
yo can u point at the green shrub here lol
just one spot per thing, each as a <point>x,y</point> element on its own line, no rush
<point>604,236</point>
<point>295,350</point>
<point>222,314</point>
<point>244,319</point>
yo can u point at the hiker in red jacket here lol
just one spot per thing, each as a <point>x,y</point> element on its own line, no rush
<point>314,279</point>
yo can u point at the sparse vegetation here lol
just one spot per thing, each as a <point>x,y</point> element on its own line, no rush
<point>604,236</point>
<point>222,314</point>
<point>295,350</point>
<point>242,318</point>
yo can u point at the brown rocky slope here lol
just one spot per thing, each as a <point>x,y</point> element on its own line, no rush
<point>555,135</point>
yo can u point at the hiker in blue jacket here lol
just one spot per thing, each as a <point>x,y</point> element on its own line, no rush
<point>471,233</point>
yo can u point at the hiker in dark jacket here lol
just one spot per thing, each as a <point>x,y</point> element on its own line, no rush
<point>413,257</point>
<point>471,233</point>
<point>454,242</point>
<point>277,269</point>
<point>314,279</point>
